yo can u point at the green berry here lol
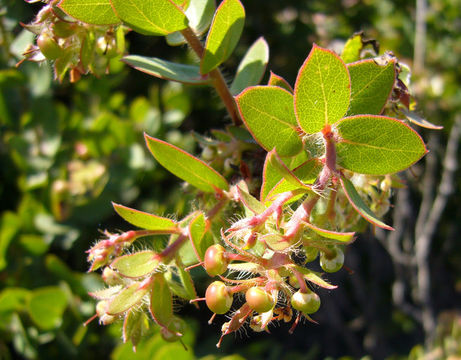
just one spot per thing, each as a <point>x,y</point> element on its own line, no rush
<point>308,302</point>
<point>332,261</point>
<point>49,48</point>
<point>218,297</point>
<point>259,299</point>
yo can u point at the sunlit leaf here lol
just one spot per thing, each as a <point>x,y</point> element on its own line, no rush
<point>95,12</point>
<point>136,265</point>
<point>145,220</point>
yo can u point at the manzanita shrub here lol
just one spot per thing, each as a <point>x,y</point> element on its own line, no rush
<point>330,148</point>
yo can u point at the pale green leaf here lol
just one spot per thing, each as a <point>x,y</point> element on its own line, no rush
<point>153,17</point>
<point>197,230</point>
<point>371,86</point>
<point>252,67</point>
<point>377,145</point>
<point>46,307</point>
<point>224,34</point>
<point>145,220</point>
<point>188,74</point>
<point>127,298</point>
<point>314,277</point>
<point>95,12</point>
<point>136,265</point>
<point>267,112</point>
<point>277,163</point>
<point>342,237</point>
<point>352,49</point>
<point>200,14</point>
<point>322,90</point>
<point>186,167</point>
<point>106,293</point>
<point>250,202</point>
<point>359,205</point>
<point>161,301</point>
<point>275,80</point>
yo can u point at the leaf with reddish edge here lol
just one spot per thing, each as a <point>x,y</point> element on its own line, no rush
<point>95,12</point>
<point>163,69</point>
<point>127,298</point>
<point>376,145</point>
<point>322,90</point>
<point>371,86</point>
<point>267,112</point>
<point>342,237</point>
<point>145,220</point>
<point>136,265</point>
<point>224,34</point>
<point>275,80</point>
<point>161,301</point>
<point>185,166</point>
<point>314,277</point>
<point>250,202</point>
<point>252,67</point>
<point>306,172</point>
<point>197,230</point>
<point>287,174</point>
<point>359,205</point>
<point>271,176</point>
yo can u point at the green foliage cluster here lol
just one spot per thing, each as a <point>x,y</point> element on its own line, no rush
<point>69,162</point>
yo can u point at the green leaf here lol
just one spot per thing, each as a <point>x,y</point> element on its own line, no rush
<point>306,172</point>
<point>161,301</point>
<point>200,14</point>
<point>9,227</point>
<point>252,67</point>
<point>180,282</point>
<point>106,293</point>
<point>95,12</point>
<point>377,145</point>
<point>352,49</point>
<point>136,265</point>
<point>314,277</point>
<point>285,172</point>
<point>342,237</point>
<point>359,205</point>
<point>46,307</point>
<point>197,230</point>
<point>188,74</point>
<point>275,80</point>
<point>418,120</point>
<point>322,90</point>
<point>224,34</point>
<point>127,298</point>
<point>371,86</point>
<point>271,175</point>
<point>250,202</point>
<point>268,114</point>
<point>133,325</point>
<point>185,166</point>
<point>145,220</point>
<point>13,299</point>
<point>153,17</point>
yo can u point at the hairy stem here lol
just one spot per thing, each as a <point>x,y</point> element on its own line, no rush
<point>218,80</point>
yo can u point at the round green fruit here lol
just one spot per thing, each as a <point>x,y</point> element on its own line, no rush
<point>218,297</point>
<point>49,48</point>
<point>259,299</point>
<point>333,261</point>
<point>307,303</point>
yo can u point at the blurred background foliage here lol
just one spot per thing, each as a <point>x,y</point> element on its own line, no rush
<point>68,150</point>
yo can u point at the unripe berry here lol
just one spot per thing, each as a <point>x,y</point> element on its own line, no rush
<point>215,261</point>
<point>310,253</point>
<point>49,48</point>
<point>333,261</point>
<point>307,303</point>
<point>259,299</point>
<point>218,297</point>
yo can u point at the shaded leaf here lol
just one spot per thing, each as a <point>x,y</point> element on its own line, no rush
<point>322,90</point>
<point>153,17</point>
<point>252,67</point>
<point>9,227</point>
<point>188,74</point>
<point>197,230</point>
<point>95,12</point>
<point>185,166</point>
<point>359,205</point>
<point>161,301</point>
<point>377,145</point>
<point>180,282</point>
<point>371,86</point>
<point>275,80</point>
<point>418,120</point>
<point>224,34</point>
<point>145,220</point>
<point>46,307</point>
<point>267,112</point>
<point>136,265</point>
